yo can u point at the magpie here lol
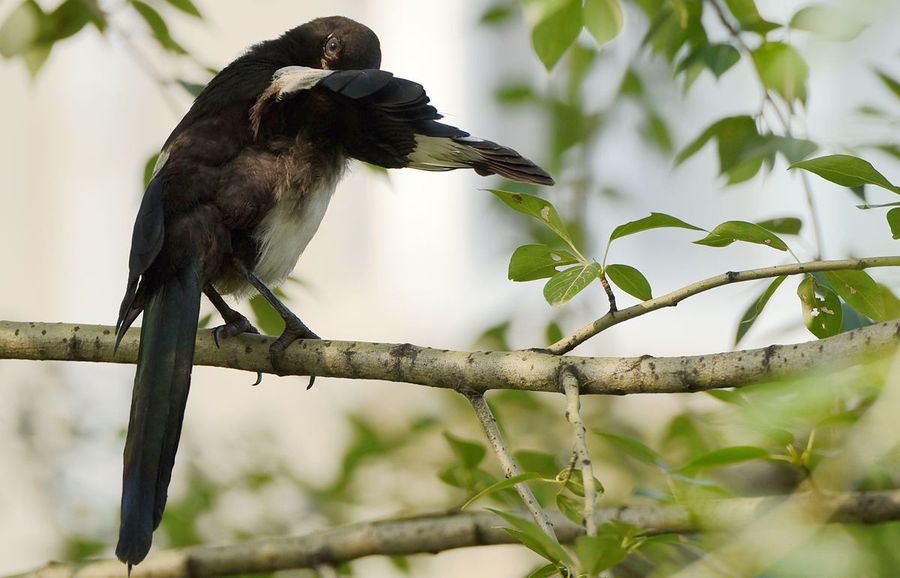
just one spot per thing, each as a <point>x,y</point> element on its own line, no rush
<point>239,190</point>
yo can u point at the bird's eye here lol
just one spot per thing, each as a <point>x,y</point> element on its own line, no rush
<point>333,47</point>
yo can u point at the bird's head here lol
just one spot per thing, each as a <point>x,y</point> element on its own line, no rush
<point>334,43</point>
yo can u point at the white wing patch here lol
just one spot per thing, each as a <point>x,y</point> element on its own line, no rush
<point>285,82</point>
<point>442,154</point>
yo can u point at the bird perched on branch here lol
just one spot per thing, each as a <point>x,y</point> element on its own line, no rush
<point>239,190</point>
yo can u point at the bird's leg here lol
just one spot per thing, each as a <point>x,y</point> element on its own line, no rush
<point>235,323</point>
<point>294,328</point>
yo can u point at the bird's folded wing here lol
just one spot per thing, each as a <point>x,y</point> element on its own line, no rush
<point>390,122</point>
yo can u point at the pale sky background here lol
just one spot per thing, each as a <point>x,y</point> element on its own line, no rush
<point>422,260</point>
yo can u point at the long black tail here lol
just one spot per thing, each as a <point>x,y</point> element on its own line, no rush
<point>161,387</point>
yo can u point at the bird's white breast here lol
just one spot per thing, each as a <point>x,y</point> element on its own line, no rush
<point>290,225</point>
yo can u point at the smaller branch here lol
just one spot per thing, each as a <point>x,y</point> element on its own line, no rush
<point>439,532</point>
<point>736,34</point>
<point>573,414</point>
<point>674,298</point>
<point>508,462</point>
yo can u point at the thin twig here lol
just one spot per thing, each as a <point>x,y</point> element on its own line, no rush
<point>814,213</point>
<point>785,122</point>
<point>569,343</point>
<point>507,462</point>
<point>573,414</point>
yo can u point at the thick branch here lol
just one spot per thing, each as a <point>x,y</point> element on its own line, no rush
<point>439,532</point>
<point>674,298</point>
<point>521,370</point>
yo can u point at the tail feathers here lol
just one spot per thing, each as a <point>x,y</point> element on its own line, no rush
<point>446,153</point>
<point>161,387</point>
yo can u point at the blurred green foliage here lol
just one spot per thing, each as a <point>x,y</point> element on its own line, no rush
<point>769,438</point>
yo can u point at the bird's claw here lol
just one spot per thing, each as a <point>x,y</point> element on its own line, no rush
<point>292,332</point>
<point>233,327</point>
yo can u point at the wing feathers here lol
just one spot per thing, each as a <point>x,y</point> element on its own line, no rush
<point>390,122</point>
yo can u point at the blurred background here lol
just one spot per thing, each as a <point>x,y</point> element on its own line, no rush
<point>403,257</point>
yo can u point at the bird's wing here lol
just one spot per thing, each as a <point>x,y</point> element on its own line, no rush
<point>387,121</point>
<point>146,243</point>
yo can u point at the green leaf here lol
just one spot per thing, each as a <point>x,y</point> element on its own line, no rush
<point>741,148</point>
<point>186,6</point>
<point>889,81</point>
<point>731,231</point>
<point>495,338</point>
<point>832,22</point>
<point>603,19</point>
<point>718,58</point>
<point>630,280</point>
<point>782,69</point>
<point>893,218</point>
<point>548,571</point>
<point>822,311</point>
<point>846,170</point>
<point>553,333</point>
<point>469,453</point>
<point>748,16</point>
<point>891,302</point>
<point>516,94</point>
<point>497,14</point>
<point>192,88</point>
<point>21,29</point>
<point>657,132</point>
<point>266,318</point>
<point>533,538</point>
<point>565,285</point>
<point>755,309</point>
<point>635,449</point>
<point>149,169</point>
<point>537,262</point>
<point>501,485</point>
<point>537,208</point>
<point>860,291</point>
<point>698,143</point>
<point>783,225</point>
<point>570,508</point>
<point>654,221</point>
<point>540,462</point>
<point>67,20</point>
<point>557,31</point>
<point>724,457</point>
<point>158,26</point>
<point>599,553</point>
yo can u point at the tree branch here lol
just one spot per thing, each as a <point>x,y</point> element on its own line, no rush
<point>445,531</point>
<point>519,370</point>
<point>573,414</point>
<point>508,463</point>
<point>674,298</point>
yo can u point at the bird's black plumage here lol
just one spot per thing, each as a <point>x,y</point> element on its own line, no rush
<point>242,184</point>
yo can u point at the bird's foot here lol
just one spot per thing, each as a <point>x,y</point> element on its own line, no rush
<point>235,324</point>
<point>294,330</point>
<point>233,327</point>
